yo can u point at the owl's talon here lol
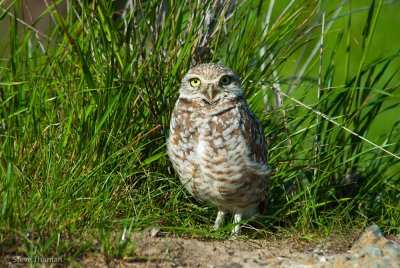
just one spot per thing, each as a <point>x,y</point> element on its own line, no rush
<point>219,220</point>
<point>236,220</point>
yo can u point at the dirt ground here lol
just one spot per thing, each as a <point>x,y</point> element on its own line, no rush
<point>371,249</point>
<point>152,248</point>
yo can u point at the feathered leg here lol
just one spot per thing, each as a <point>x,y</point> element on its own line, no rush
<point>236,220</point>
<point>219,220</point>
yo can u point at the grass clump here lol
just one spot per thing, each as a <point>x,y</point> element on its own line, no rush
<point>85,104</point>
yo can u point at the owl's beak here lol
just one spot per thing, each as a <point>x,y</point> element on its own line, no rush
<point>211,92</point>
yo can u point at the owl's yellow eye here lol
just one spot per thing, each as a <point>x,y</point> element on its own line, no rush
<point>195,82</point>
<point>225,80</point>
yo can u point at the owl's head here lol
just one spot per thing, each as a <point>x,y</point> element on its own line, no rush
<point>210,83</point>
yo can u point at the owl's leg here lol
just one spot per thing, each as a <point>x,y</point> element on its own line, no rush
<point>219,220</point>
<point>236,220</point>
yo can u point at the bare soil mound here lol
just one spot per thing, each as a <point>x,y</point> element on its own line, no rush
<point>369,249</point>
<point>372,249</point>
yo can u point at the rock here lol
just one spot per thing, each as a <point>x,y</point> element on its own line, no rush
<point>372,249</point>
<point>154,232</point>
<point>372,235</point>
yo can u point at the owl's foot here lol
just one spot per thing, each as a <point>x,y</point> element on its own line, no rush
<point>236,220</point>
<point>219,220</point>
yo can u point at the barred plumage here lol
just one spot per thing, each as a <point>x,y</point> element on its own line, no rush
<point>216,144</point>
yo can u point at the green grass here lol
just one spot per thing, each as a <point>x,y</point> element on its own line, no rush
<point>85,105</point>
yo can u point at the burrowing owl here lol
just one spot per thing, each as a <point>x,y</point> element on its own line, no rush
<point>216,144</point>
